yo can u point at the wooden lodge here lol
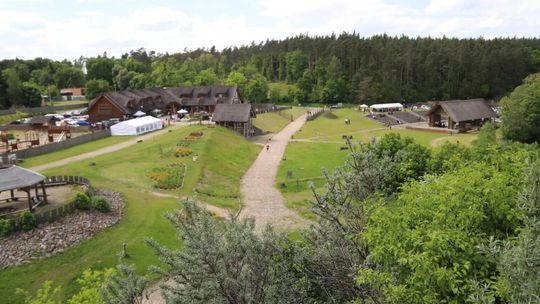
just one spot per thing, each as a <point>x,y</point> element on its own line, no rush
<point>462,115</point>
<point>123,104</point>
<point>236,117</point>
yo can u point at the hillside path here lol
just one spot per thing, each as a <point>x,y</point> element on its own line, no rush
<point>104,150</point>
<point>261,200</point>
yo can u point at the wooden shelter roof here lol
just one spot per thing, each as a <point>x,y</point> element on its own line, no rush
<point>15,177</point>
<point>232,112</point>
<point>465,110</point>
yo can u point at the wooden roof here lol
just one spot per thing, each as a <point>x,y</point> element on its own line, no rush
<point>15,177</point>
<point>129,101</point>
<point>232,113</point>
<point>465,110</point>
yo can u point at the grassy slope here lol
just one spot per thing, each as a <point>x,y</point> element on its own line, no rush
<point>124,171</point>
<point>275,121</point>
<point>75,150</point>
<point>307,159</point>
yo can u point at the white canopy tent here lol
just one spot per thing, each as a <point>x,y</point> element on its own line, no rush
<point>182,111</point>
<point>386,107</point>
<point>136,126</point>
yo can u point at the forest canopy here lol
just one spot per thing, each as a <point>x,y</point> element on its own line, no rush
<point>322,69</point>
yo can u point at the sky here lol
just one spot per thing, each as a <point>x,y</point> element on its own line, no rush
<point>64,29</point>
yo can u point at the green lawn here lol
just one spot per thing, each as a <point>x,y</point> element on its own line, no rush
<point>273,122</point>
<point>324,138</point>
<point>330,126</point>
<point>83,103</point>
<point>75,150</point>
<point>221,153</point>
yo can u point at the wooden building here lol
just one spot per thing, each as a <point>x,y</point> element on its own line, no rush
<point>13,178</point>
<point>236,117</point>
<point>462,115</point>
<point>123,104</point>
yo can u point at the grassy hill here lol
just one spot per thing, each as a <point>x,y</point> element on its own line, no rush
<point>273,122</point>
<point>222,158</point>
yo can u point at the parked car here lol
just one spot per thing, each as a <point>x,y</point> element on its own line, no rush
<point>82,122</point>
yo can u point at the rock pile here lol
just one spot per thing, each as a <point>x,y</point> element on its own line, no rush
<point>49,239</point>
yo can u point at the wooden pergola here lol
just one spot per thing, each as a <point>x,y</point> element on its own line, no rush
<point>17,178</point>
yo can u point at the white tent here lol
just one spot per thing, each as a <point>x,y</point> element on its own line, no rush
<point>363,106</point>
<point>385,107</point>
<point>182,111</point>
<point>137,126</point>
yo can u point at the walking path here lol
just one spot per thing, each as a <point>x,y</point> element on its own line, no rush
<point>261,200</point>
<point>104,150</point>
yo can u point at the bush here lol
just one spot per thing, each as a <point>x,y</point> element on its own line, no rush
<point>101,204</point>
<point>6,227</point>
<point>27,221</point>
<point>90,192</point>
<point>82,201</point>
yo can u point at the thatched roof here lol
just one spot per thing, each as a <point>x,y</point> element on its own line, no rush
<point>465,110</point>
<point>232,113</point>
<point>130,101</point>
<point>15,177</point>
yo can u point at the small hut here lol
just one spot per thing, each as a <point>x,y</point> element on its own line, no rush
<point>14,178</point>
<point>236,117</point>
<point>460,115</point>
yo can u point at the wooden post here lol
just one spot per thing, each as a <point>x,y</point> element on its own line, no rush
<point>44,193</point>
<point>12,194</point>
<point>29,199</point>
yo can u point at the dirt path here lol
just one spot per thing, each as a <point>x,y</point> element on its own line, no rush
<point>104,150</point>
<point>221,212</point>
<point>260,198</point>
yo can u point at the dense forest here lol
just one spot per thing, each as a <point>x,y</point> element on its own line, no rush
<point>327,69</point>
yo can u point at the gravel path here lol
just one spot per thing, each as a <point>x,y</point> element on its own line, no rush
<point>260,198</point>
<point>104,150</point>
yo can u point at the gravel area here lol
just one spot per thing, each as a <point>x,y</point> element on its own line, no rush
<point>261,199</point>
<point>52,238</point>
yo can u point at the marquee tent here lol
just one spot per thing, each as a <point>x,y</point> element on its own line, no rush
<point>137,126</point>
<point>386,107</point>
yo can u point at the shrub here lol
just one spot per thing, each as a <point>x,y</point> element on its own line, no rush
<point>82,201</point>
<point>27,221</point>
<point>6,227</point>
<point>101,204</point>
<point>90,192</point>
<point>182,152</point>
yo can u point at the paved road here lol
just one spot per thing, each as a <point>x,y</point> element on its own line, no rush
<point>261,200</point>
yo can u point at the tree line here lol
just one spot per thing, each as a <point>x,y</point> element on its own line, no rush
<point>322,69</point>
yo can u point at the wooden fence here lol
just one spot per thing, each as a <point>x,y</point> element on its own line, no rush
<point>56,146</point>
<point>314,114</point>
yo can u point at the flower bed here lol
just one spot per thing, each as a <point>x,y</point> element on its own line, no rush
<point>169,177</point>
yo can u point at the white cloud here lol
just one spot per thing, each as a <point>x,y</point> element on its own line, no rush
<point>165,29</point>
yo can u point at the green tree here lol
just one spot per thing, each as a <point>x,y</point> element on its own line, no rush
<point>256,89</point>
<point>425,243</point>
<point>237,78</point>
<point>68,77</point>
<point>100,68</point>
<point>296,63</point>
<point>31,94</point>
<point>521,112</point>
<point>14,90</point>
<point>224,261</point>
<point>520,258</point>
<point>95,87</point>
<point>206,77</point>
